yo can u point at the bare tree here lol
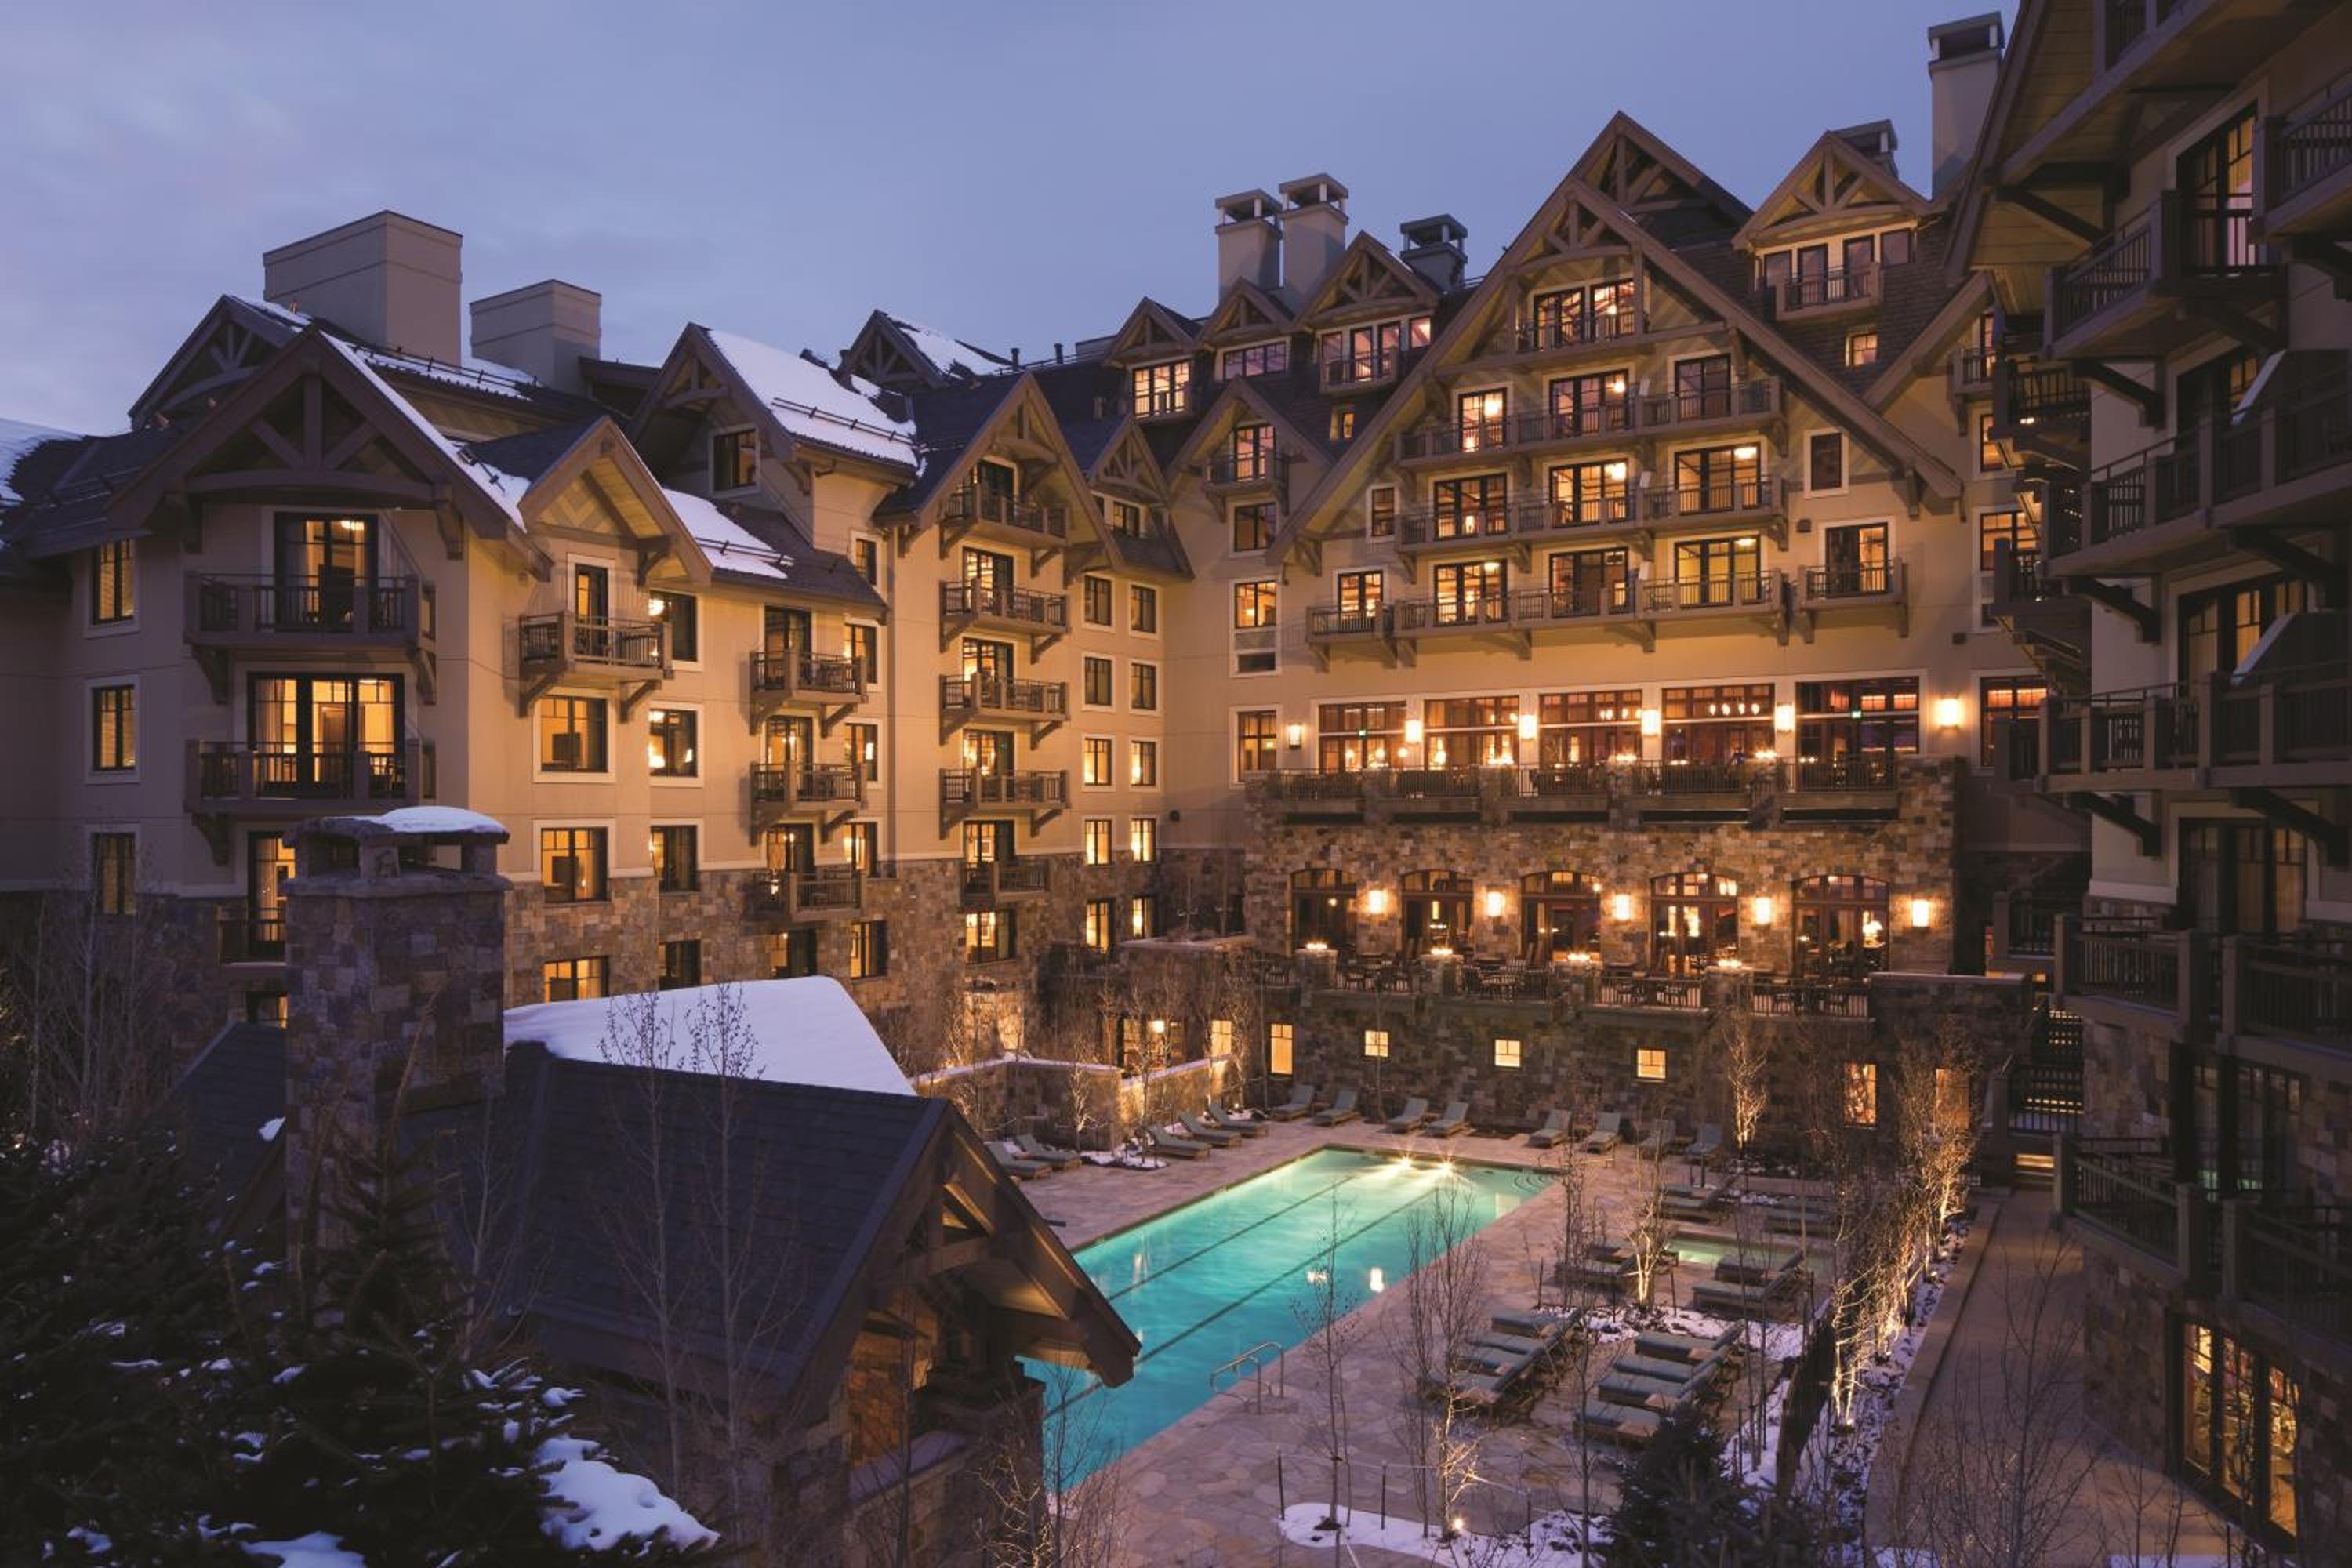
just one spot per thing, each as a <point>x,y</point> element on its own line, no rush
<point>1579,1229</point>
<point>1057,1500</point>
<point>1444,1306</point>
<point>1743,1058</point>
<point>1322,1308</point>
<point>1649,1234</point>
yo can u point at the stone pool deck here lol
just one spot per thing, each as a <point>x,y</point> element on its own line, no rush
<point>1207,1490</point>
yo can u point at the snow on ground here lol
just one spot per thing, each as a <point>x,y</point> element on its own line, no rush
<point>810,403</point>
<point>16,443</point>
<point>727,543</point>
<point>271,1128</point>
<point>1554,1544</point>
<point>807,1030</point>
<point>595,1506</point>
<point>316,1550</point>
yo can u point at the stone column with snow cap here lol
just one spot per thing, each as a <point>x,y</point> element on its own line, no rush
<point>395,941</point>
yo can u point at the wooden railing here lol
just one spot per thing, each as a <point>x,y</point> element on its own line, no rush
<point>1367,369</point>
<point>250,936</point>
<point>1758,493</point>
<point>1007,876</point>
<point>2173,238</point>
<point>2287,991</point>
<point>2301,149</point>
<point>1586,327</point>
<point>1767,589</point>
<point>972,505</point>
<point>1004,694</point>
<point>566,641</point>
<point>795,671</point>
<point>1329,621</point>
<point>1029,606</point>
<point>1857,580</point>
<point>226,608</point>
<point>2126,1187</point>
<point>2294,1261</point>
<point>817,890</point>
<point>1302,783</point>
<point>229,772</point>
<point>2029,395</point>
<point>1805,291</point>
<point>1808,999</point>
<point>807,784</point>
<point>2118,268</point>
<point>973,787</point>
<point>2177,972</point>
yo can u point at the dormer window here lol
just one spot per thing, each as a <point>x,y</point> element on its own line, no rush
<point>1252,452</point>
<point>1590,313</point>
<point>1831,272</point>
<point>734,460</point>
<point>1159,390</point>
<point>1269,358</point>
<point>1122,516</point>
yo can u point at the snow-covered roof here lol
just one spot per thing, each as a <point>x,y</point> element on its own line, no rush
<point>479,375</point>
<point>949,353</point>
<point>506,489</point>
<point>810,404</point>
<point>16,443</point>
<point>727,543</point>
<point>439,819</point>
<point>804,1031</point>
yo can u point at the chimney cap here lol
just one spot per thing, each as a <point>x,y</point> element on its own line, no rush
<point>1445,228</point>
<point>386,218</point>
<point>1874,137</point>
<point>545,286</point>
<point>1246,206</point>
<point>1313,190</point>
<point>1966,37</point>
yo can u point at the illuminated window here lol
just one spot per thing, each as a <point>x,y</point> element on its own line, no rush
<point>572,731</point>
<point>1376,1043</point>
<point>1861,1093</point>
<point>1254,741</point>
<point>113,729</point>
<point>1861,350</point>
<point>1143,687</point>
<point>1143,915</point>
<point>1825,461</point>
<point>114,872</point>
<point>1098,679</point>
<point>576,979</point>
<point>113,583</point>
<point>1381,511</point>
<point>1507,1053</point>
<point>681,614</point>
<point>1161,389</point>
<point>572,863</point>
<point>1650,1063</point>
<point>1988,449</point>
<point>1102,924</point>
<point>1098,840</point>
<point>1279,1044</point>
<point>1094,762</point>
<point>1343,422</point>
<point>989,936</point>
<point>869,949</point>
<point>1143,608</point>
<point>1143,839</point>
<point>1271,358</point>
<point>1097,607</point>
<point>1251,449</point>
<point>1143,763</point>
<point>669,743</point>
<point>675,863</point>
<point>1221,1036</point>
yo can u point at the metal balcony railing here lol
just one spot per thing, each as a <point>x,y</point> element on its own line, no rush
<point>1558,332</point>
<point>1745,590</point>
<point>226,773</point>
<point>796,671</point>
<point>1367,369</point>
<point>2294,1261</point>
<point>2126,1188</point>
<point>2307,146</point>
<point>1004,694</point>
<point>251,936</point>
<point>1026,606</point>
<point>226,608</point>
<point>973,507</point>
<point>968,788</point>
<point>1855,580</point>
<point>1823,290</point>
<point>567,641</point>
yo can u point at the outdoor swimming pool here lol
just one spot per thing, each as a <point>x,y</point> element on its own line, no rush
<point>1201,1284</point>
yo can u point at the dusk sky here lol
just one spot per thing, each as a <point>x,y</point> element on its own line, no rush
<point>1013,173</point>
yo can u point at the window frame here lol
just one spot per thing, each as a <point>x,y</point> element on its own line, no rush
<point>1651,1064</point>
<point>543,773</point>
<point>869,957</point>
<point>1376,1045</point>
<point>1089,748</point>
<point>728,432</point>
<point>1088,664</point>
<point>1514,1058</point>
<point>1143,686</point>
<point>1087,583</point>
<point>1108,852</point>
<point>1143,610</point>
<point>1844,472</point>
<point>583,965</point>
<point>670,776</point>
<point>600,836</point>
<point>124,769</point>
<point>693,620</point>
<point>1142,762</point>
<point>113,877</point>
<point>666,878</point>
<point>124,577</point>
<point>1246,744</point>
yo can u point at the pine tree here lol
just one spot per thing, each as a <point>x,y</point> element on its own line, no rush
<point>1678,1509</point>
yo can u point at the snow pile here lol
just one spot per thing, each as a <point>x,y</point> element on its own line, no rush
<point>727,543</point>
<point>271,1128</point>
<point>316,1550</point>
<point>811,405</point>
<point>17,442</point>
<point>1555,1541</point>
<point>807,1030</point>
<point>428,819</point>
<point>592,1505</point>
<point>949,353</point>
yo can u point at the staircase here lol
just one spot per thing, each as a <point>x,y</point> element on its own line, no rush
<point>2035,1100</point>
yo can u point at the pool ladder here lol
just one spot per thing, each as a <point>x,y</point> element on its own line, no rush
<point>1252,1362</point>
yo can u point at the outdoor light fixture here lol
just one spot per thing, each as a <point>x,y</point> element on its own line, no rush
<point>1653,724</point>
<point>1159,1026</point>
<point>1784,717</point>
<point>1376,900</point>
<point>1948,712</point>
<point>1621,907</point>
<point>1923,914</point>
<point>1412,732</point>
<point>1494,904</point>
<point>655,603</point>
<point>1293,736</point>
<point>1526,726</point>
<point>1377,1281</point>
<point>1763,907</point>
<point>1744,454</point>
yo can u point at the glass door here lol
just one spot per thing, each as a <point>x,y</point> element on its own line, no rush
<point>323,564</point>
<point>2217,198</point>
<point>1694,922</point>
<point>332,736</point>
<point>788,740</point>
<point>789,847</point>
<point>269,861</point>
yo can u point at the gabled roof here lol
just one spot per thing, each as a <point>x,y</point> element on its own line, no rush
<point>1152,331</point>
<point>1237,399</point>
<point>1833,186</point>
<point>1245,314</point>
<point>1366,279</point>
<point>226,344</point>
<point>808,405</point>
<point>19,447</point>
<point>1639,171</point>
<point>593,453</point>
<point>966,420</point>
<point>1935,336</point>
<point>895,353</point>
<point>758,547</point>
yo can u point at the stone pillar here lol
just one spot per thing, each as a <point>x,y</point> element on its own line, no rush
<point>395,961</point>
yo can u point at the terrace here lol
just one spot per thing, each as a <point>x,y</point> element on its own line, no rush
<point>2160,279</point>
<point>831,792</point>
<point>629,657</point>
<point>1039,793</point>
<point>1042,705</point>
<point>1043,618</point>
<point>805,895</point>
<point>2303,174</point>
<point>834,684</point>
<point>233,782</point>
<point>230,616</point>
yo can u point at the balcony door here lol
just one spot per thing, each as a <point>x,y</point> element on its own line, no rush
<point>789,847</point>
<point>329,735</point>
<point>1849,733</point>
<point>987,843</point>
<point>1470,593</point>
<point>1840,924</point>
<point>1559,911</point>
<point>323,564</point>
<point>782,629</point>
<point>1323,908</point>
<point>1694,922</point>
<point>591,593</point>
<point>1436,911</point>
<point>1856,558</point>
<point>989,751</point>
<point>2216,181</point>
<point>2242,879</point>
<point>1714,571</point>
<point>987,571</point>
<point>1703,387</point>
<point>788,740</point>
<point>269,861</point>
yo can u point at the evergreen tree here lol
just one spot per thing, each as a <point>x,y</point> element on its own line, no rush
<point>1678,1509</point>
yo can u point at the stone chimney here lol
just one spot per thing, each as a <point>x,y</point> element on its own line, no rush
<point>1314,232</point>
<point>1963,64</point>
<point>387,279</point>
<point>395,937</point>
<point>1433,248</point>
<point>543,330</point>
<point>1249,241</point>
<point>1875,141</point>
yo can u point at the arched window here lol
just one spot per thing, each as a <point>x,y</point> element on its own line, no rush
<point>1842,924</point>
<point>1559,911</point>
<point>1436,911</point>
<point>1322,908</point>
<point>1694,922</point>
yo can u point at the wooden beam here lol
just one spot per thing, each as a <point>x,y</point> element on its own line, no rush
<point>2331,836</point>
<point>2273,545</point>
<point>339,482</point>
<point>2119,810</point>
<point>2043,210</point>
<point>2124,602</point>
<point>2149,399</point>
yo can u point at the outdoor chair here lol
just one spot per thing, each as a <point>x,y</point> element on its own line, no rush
<point>1661,1138</point>
<point>1606,1134</point>
<point>1454,1124</point>
<point>1020,1168</point>
<point>1707,1146</point>
<point>1301,1101</point>
<point>1630,1425</point>
<point>1224,1120</point>
<point>1416,1113</point>
<point>1029,1148</point>
<point>1552,1133</point>
<point>1342,1109</point>
<point>1157,1142</point>
<point>1201,1132</point>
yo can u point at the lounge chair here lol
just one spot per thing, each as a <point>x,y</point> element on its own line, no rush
<point>1201,1132</point>
<point>1666,1370</point>
<point>1454,1124</point>
<point>1662,1137</point>
<point>1516,1344</point>
<point>1498,1361</point>
<point>1342,1111</point>
<point>1733,1296</point>
<point>1225,1122</point>
<point>1414,1113</point>
<point>1301,1101</point>
<point>1018,1168</point>
<point>1045,1153</point>
<point>1630,1425</point>
<point>1157,1142</point>
<point>1606,1134</point>
<point>1536,1325</point>
<point>1707,1146</point>
<point>1648,1393</point>
<point>1664,1346</point>
<point>1552,1133</point>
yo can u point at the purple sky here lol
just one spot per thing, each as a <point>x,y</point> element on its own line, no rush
<point>1012,173</point>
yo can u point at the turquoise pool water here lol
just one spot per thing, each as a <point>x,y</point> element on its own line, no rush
<point>1201,1284</point>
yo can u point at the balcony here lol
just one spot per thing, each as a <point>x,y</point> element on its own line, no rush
<point>1882,587</point>
<point>630,658</point>
<point>1614,605</point>
<point>1043,618</point>
<point>1844,1000</point>
<point>1863,786</point>
<point>2040,411</point>
<point>2303,171</point>
<point>1814,294</point>
<point>1042,705</point>
<point>2174,273</point>
<point>1300,795</point>
<point>972,512</point>
<point>1698,791</point>
<point>2297,998</point>
<point>1969,373</point>
<point>834,684</point>
<point>230,616</point>
<point>1040,795</point>
<point>1570,792</point>
<point>1520,527</point>
<point>1244,473</point>
<point>2127,1194</point>
<point>1333,626</point>
<point>805,895</point>
<point>1013,879</point>
<point>1589,330</point>
<point>1433,794</point>
<point>2137,977</point>
<point>2287,465</point>
<point>1159,403</point>
<point>247,935</point>
<point>831,792</point>
<point>2277,729</point>
<point>1674,993</point>
<point>1555,431</point>
<point>2294,1261</point>
<point>230,781</point>
<point>1748,595</point>
<point>2025,926</point>
<point>2051,626</point>
<point>1344,373</point>
<point>1754,502</point>
<point>1747,404</point>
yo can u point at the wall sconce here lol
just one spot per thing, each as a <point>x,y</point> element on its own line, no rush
<point>1744,454</point>
<point>1494,904</point>
<point>1621,907</point>
<point>1413,732</point>
<point>1653,724</point>
<point>1159,1026</point>
<point>655,603</point>
<point>1923,913</point>
<point>1784,719</point>
<point>1948,712</point>
<point>1763,908</point>
<point>1293,736</point>
<point>1376,900</point>
<point>1526,726</point>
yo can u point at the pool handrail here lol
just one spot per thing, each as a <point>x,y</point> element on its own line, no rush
<point>1254,1358</point>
